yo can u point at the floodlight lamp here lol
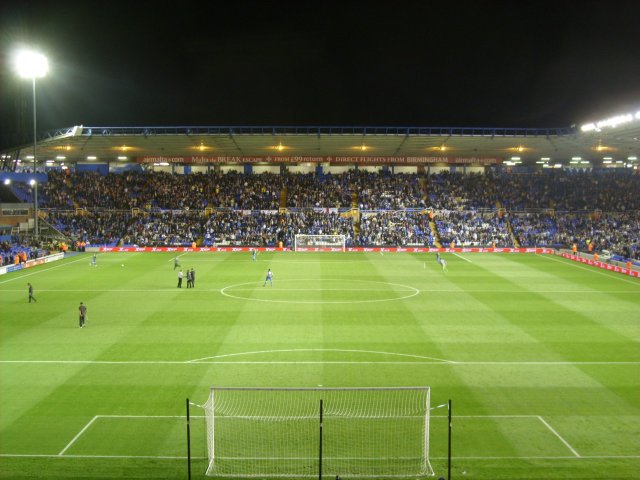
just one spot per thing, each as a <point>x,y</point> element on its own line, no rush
<point>32,182</point>
<point>7,181</point>
<point>30,64</point>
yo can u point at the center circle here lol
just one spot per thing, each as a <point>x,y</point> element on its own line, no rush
<point>297,291</point>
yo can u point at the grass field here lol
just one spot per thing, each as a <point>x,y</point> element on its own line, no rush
<point>539,355</point>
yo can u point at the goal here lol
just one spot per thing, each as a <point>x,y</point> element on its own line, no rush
<point>312,432</point>
<point>312,242</point>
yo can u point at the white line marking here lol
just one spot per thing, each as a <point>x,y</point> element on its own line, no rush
<point>295,362</point>
<point>155,416</point>
<point>612,275</point>
<point>559,436</point>
<point>458,291</point>
<point>327,290</point>
<point>295,350</point>
<point>411,290</point>
<point>460,256</point>
<point>167,457</point>
<point>177,256</point>
<point>77,436</point>
<point>151,457</point>
<point>42,270</point>
<point>576,455</point>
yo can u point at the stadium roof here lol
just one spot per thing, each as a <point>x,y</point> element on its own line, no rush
<point>254,143</point>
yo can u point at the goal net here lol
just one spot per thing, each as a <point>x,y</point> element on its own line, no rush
<point>312,242</point>
<point>278,432</point>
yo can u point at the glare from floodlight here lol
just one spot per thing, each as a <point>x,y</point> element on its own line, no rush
<point>610,122</point>
<point>30,64</point>
<point>32,182</point>
<point>7,181</point>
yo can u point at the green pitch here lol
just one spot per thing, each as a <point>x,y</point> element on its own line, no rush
<point>539,355</point>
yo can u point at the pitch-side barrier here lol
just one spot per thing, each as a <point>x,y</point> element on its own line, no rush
<point>31,263</point>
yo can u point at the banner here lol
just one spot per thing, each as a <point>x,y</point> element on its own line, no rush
<point>603,265</point>
<point>334,160</point>
<point>330,249</point>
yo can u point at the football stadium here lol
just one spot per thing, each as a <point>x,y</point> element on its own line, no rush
<point>231,246</point>
<point>463,315</point>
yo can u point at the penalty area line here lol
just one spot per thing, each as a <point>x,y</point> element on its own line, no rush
<point>77,436</point>
<point>552,430</point>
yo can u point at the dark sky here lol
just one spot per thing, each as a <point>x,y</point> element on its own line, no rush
<point>422,63</point>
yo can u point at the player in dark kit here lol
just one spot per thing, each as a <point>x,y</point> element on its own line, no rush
<point>83,314</point>
<point>31,297</point>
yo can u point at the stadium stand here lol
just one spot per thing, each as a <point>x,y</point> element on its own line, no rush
<point>499,208</point>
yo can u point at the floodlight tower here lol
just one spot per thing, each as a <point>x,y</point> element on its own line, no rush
<point>31,64</point>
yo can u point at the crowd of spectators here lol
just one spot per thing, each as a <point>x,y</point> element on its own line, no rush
<point>498,208</point>
<point>92,227</point>
<point>558,190</point>
<point>473,229</point>
<point>19,250</point>
<point>399,228</point>
<point>579,190</point>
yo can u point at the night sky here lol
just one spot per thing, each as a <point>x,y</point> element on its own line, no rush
<point>501,64</point>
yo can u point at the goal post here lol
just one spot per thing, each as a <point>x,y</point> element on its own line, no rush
<point>273,432</point>
<point>312,242</point>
